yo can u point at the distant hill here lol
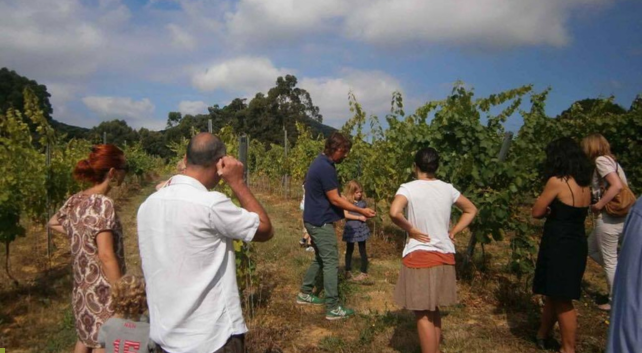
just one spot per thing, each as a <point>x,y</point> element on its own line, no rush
<point>70,131</point>
<point>319,128</point>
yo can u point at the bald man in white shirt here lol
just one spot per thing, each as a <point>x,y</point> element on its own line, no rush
<point>185,235</point>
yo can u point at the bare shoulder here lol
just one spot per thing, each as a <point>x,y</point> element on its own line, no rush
<point>555,182</point>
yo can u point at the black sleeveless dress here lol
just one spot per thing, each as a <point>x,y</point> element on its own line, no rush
<point>562,252</point>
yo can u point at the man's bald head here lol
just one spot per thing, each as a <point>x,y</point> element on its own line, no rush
<point>205,150</point>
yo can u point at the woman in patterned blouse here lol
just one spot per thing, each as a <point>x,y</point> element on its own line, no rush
<point>90,221</point>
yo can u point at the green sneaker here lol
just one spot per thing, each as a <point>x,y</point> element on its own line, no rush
<point>338,313</point>
<point>312,299</point>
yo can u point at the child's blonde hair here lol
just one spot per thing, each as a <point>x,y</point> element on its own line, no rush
<point>351,188</point>
<point>128,297</point>
<point>596,145</point>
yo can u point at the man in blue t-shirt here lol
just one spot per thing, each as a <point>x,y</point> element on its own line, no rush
<point>324,206</point>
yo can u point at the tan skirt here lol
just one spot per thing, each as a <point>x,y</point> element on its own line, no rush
<point>426,288</point>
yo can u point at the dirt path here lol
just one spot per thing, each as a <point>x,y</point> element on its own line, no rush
<point>495,314</point>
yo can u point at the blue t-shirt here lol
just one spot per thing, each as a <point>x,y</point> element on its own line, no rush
<point>321,178</point>
<point>625,330</point>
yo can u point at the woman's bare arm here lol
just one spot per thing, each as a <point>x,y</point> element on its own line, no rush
<point>469,211</point>
<point>398,218</point>
<point>54,224</point>
<point>107,256</point>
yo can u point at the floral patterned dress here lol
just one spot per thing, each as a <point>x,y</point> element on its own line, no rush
<point>83,217</point>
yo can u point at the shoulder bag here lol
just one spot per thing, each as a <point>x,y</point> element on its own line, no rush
<point>620,205</point>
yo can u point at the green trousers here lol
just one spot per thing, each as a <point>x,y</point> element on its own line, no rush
<point>326,259</point>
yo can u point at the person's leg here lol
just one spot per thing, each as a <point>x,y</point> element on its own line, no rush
<point>593,246</point>
<point>548,319</point>
<point>609,237</point>
<point>325,241</point>
<point>437,322</point>
<point>310,276</point>
<point>81,348</point>
<point>428,339</point>
<point>364,256</point>
<point>348,258</point>
<point>234,344</point>
<point>567,318</point>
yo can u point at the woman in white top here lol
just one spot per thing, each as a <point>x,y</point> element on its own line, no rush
<point>608,175</point>
<point>427,277</point>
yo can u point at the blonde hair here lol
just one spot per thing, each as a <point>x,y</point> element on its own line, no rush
<point>128,297</point>
<point>351,188</point>
<point>595,145</point>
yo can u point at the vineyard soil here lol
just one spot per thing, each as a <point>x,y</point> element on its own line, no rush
<point>496,311</point>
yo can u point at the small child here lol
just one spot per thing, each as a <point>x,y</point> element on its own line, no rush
<point>305,241</point>
<point>356,230</point>
<point>180,168</point>
<point>125,329</point>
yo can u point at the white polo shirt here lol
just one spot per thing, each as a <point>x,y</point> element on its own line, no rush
<point>185,236</point>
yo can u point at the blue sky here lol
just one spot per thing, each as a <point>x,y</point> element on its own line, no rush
<point>139,60</point>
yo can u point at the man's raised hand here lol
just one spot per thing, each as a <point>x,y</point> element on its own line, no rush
<point>229,169</point>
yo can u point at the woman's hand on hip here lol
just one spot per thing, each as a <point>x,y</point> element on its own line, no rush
<point>418,235</point>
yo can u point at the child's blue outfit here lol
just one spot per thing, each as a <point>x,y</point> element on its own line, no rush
<point>356,232</point>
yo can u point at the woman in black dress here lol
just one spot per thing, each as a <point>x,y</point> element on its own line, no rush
<point>562,254</point>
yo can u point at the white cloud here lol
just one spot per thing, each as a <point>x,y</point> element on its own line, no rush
<point>373,90</point>
<point>204,14</point>
<point>61,94</point>
<point>48,38</point>
<point>136,113</point>
<point>118,15</point>
<point>246,75</point>
<point>494,22</point>
<point>383,22</point>
<point>180,38</point>
<point>192,107</point>
<point>259,20</point>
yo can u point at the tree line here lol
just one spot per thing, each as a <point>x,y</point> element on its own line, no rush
<point>264,117</point>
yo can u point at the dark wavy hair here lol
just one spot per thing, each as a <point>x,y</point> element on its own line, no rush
<point>335,141</point>
<point>565,158</point>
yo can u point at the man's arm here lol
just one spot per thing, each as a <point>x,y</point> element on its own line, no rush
<point>338,201</point>
<point>231,171</point>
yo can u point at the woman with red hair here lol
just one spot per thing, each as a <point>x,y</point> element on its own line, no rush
<point>90,221</point>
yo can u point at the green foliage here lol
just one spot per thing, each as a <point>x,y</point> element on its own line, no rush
<point>304,151</point>
<point>332,344</point>
<point>64,157</point>
<point>27,185</point>
<point>22,168</point>
<point>117,131</point>
<point>12,86</point>
<point>140,162</point>
<point>173,119</point>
